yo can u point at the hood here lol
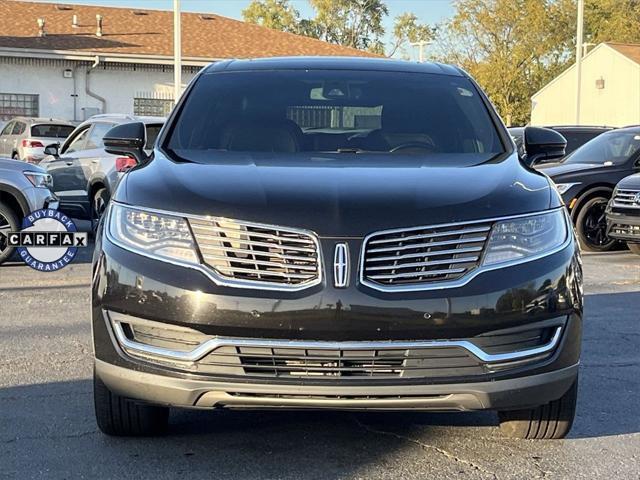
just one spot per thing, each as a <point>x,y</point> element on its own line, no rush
<point>341,195</point>
<point>631,182</point>
<point>19,166</point>
<point>555,169</point>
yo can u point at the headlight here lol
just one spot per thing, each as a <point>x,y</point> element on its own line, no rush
<point>525,237</point>
<point>564,187</point>
<point>152,234</point>
<point>39,179</point>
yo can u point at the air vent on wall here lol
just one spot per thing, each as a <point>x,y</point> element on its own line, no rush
<point>140,13</point>
<point>64,8</point>
<point>207,17</point>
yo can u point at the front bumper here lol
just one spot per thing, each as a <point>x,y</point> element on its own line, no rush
<point>514,297</point>
<point>38,198</point>
<point>624,226</point>
<point>516,393</point>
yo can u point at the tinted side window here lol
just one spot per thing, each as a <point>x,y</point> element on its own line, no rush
<point>97,134</point>
<point>7,129</point>
<point>78,142</point>
<point>19,128</point>
<point>152,135</point>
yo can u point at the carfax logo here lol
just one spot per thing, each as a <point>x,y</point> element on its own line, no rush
<point>49,240</point>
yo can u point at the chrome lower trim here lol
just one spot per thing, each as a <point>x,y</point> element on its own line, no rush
<point>472,274</point>
<point>214,343</point>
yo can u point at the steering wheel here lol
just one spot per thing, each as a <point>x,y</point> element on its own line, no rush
<point>416,145</point>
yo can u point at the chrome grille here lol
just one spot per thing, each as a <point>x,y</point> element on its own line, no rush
<point>255,253</point>
<point>424,254</point>
<point>626,198</point>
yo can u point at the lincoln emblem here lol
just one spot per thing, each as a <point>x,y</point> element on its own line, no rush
<point>341,265</point>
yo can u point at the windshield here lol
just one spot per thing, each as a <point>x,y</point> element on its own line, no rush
<point>51,131</point>
<point>611,148</point>
<point>290,111</point>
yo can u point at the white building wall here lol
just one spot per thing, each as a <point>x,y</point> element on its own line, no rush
<point>617,104</point>
<point>117,84</point>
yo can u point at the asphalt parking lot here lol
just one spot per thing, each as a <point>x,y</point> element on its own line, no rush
<point>47,428</point>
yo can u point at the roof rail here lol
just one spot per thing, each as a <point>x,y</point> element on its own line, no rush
<point>112,115</point>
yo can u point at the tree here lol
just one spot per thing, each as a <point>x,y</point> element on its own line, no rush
<point>515,47</point>
<point>352,23</point>
<point>276,14</point>
<point>407,29</point>
<point>508,46</point>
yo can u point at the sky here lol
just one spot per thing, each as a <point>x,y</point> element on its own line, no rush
<point>427,11</point>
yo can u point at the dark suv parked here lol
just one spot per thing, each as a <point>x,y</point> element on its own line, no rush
<point>336,233</point>
<point>576,136</point>
<point>623,213</point>
<point>586,179</point>
<point>84,175</point>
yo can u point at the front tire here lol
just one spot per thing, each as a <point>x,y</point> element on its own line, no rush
<point>591,226</point>
<point>121,416</point>
<point>550,421</point>
<point>634,247</point>
<point>8,223</point>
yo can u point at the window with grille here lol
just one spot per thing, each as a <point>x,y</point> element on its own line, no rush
<point>154,107</point>
<point>18,105</point>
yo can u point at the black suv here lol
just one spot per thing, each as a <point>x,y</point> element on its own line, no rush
<point>586,179</point>
<point>336,233</point>
<point>575,135</point>
<point>623,213</point>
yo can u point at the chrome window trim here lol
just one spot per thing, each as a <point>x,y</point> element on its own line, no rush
<point>214,343</point>
<point>209,272</point>
<point>460,282</point>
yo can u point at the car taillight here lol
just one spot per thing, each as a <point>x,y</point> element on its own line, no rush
<point>31,143</point>
<point>124,164</point>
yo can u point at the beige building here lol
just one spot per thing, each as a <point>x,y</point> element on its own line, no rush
<point>610,90</point>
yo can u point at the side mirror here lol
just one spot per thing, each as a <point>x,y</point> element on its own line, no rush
<point>542,144</point>
<point>52,149</point>
<point>127,139</point>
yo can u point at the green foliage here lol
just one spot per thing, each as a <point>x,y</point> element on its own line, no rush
<point>512,47</point>
<point>515,47</point>
<point>276,14</point>
<point>353,23</point>
<point>406,30</point>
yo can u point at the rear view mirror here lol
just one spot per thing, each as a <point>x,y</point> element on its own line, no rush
<point>127,139</point>
<point>542,144</point>
<point>52,149</point>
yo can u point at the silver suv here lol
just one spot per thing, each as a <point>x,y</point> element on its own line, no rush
<point>25,138</point>
<point>23,189</point>
<point>84,175</point>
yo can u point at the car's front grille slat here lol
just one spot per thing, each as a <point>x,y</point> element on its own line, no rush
<point>626,198</point>
<point>258,254</point>
<point>423,255</point>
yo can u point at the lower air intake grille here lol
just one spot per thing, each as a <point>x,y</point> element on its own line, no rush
<point>254,253</point>
<point>424,255</point>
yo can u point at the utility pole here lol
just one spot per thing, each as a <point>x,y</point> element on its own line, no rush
<point>421,45</point>
<point>579,47</point>
<point>177,52</point>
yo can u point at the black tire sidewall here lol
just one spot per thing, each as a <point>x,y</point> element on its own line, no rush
<point>14,222</point>
<point>103,194</point>
<point>582,213</point>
